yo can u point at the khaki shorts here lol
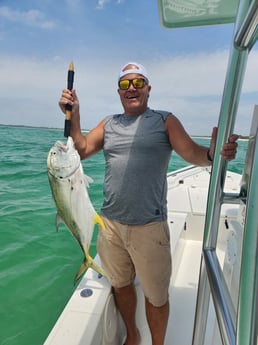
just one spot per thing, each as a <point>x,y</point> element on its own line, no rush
<point>127,251</point>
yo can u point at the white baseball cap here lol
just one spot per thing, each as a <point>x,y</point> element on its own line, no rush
<point>136,68</point>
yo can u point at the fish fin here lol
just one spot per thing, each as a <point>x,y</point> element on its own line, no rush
<point>88,262</point>
<point>59,221</point>
<point>98,220</point>
<point>88,180</point>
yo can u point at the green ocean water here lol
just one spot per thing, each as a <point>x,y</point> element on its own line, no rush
<point>37,264</point>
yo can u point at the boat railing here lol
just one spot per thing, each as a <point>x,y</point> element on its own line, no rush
<point>247,321</point>
<point>246,35</point>
<point>238,326</point>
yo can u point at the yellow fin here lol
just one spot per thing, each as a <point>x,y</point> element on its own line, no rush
<point>98,220</point>
<point>88,262</point>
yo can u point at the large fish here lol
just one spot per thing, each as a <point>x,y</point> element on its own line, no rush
<point>74,208</point>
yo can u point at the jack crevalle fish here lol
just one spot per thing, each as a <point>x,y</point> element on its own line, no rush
<point>74,208</point>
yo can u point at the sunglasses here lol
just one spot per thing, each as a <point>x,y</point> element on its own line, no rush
<point>138,83</point>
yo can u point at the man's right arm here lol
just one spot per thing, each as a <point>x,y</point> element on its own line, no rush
<point>93,141</point>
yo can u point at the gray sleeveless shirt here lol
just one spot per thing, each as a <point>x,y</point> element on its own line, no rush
<point>137,153</point>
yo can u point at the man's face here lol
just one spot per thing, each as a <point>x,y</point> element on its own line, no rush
<point>134,100</point>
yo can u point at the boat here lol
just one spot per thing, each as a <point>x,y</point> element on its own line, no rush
<point>212,220</point>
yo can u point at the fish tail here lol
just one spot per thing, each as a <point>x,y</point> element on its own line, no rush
<point>92,264</point>
<point>88,262</point>
<point>82,269</point>
<point>98,220</point>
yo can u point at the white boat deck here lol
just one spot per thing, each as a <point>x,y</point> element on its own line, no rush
<point>94,320</point>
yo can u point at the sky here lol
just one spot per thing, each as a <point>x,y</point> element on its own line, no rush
<point>186,67</point>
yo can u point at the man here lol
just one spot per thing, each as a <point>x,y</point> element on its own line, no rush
<point>137,146</point>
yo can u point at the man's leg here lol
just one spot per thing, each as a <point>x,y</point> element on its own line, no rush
<point>126,301</point>
<point>151,254</point>
<point>157,318</point>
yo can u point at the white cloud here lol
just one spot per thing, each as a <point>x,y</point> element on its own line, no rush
<point>102,3</point>
<point>189,86</point>
<point>31,17</point>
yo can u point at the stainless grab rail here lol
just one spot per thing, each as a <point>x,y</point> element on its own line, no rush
<point>247,323</point>
<point>231,326</point>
